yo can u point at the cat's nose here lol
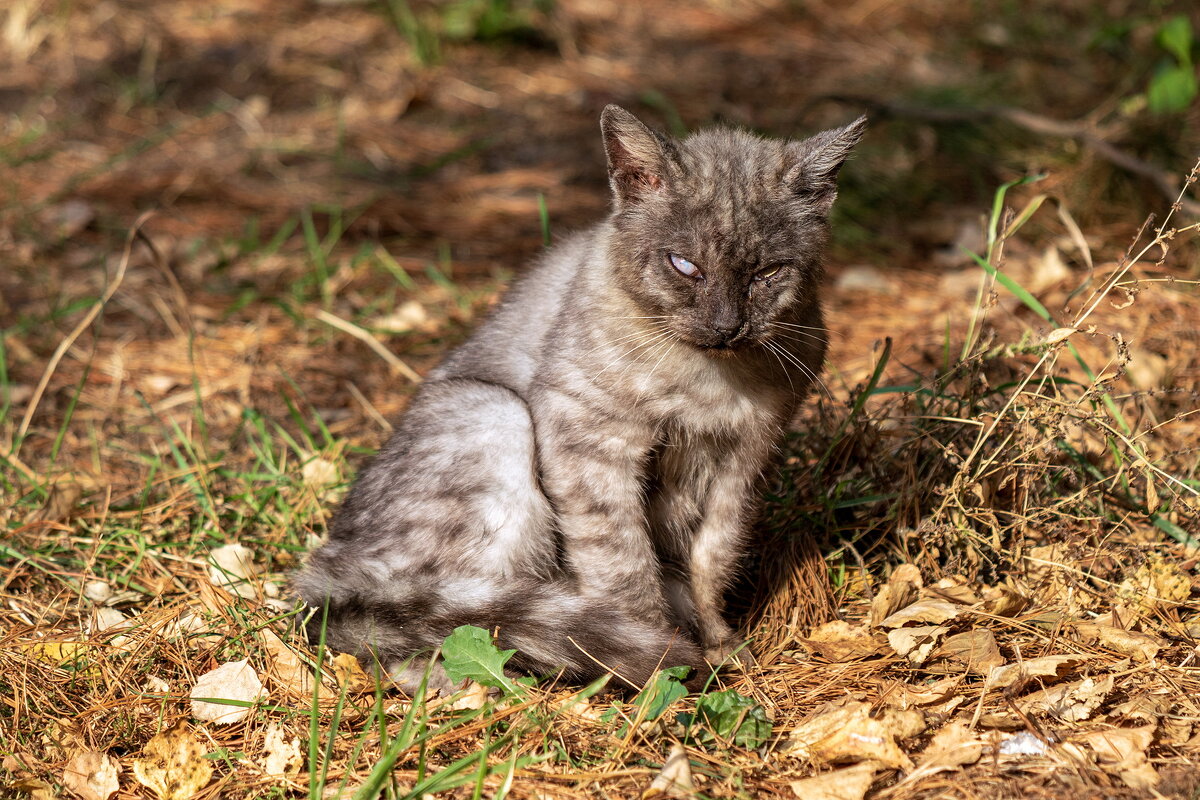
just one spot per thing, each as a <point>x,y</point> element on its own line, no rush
<point>726,329</point>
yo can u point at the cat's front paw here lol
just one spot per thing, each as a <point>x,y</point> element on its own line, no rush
<point>731,651</point>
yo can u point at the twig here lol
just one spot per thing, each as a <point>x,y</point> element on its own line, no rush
<point>370,341</point>
<point>83,325</point>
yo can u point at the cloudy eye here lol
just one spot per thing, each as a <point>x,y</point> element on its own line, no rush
<point>684,266</point>
<point>769,272</point>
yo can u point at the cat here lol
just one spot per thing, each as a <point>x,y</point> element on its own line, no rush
<point>579,476</point>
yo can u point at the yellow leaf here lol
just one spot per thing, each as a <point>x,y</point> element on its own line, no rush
<point>173,765</point>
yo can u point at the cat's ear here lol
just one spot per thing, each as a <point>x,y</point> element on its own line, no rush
<point>638,157</point>
<point>817,160</point>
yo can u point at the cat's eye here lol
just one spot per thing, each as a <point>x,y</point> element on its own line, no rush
<point>684,266</point>
<point>769,272</point>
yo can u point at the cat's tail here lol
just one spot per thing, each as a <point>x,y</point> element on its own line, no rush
<point>553,629</point>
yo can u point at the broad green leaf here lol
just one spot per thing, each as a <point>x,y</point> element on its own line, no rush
<point>730,717</point>
<point>469,653</point>
<point>1172,89</point>
<point>663,690</point>
<point>1175,36</point>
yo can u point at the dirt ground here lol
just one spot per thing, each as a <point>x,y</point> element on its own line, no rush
<point>234,233</point>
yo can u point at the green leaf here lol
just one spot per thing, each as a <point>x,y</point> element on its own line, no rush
<point>469,653</point>
<point>730,717</point>
<point>1175,36</point>
<point>1017,289</point>
<point>662,691</point>
<point>1172,90</point>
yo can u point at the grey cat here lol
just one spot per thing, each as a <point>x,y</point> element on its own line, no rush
<point>580,474</point>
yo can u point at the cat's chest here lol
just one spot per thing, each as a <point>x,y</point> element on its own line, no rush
<point>703,395</point>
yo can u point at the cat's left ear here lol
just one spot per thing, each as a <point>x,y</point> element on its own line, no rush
<point>638,158</point>
<point>817,161</point>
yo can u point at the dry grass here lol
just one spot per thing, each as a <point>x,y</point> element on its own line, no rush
<point>323,176</point>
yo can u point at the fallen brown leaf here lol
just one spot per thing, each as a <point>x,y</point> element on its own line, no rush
<point>1041,667</point>
<point>929,611</point>
<point>234,680</point>
<point>92,775</point>
<point>975,649</point>
<point>1069,702</point>
<point>675,778</point>
<point>1122,752</point>
<point>282,756</point>
<point>848,783</point>
<point>902,588</point>
<point>916,643</point>
<point>846,732</point>
<point>1139,646</point>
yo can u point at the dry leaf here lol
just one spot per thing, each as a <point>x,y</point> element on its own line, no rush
<point>1001,601</point>
<point>955,589</point>
<point>232,568</point>
<point>97,591</point>
<point>1058,335</point>
<point>410,315</point>
<point>846,732</point>
<point>930,611</point>
<point>1139,646</point>
<point>917,643</point>
<point>675,779</point>
<point>1122,752</point>
<point>282,756</point>
<point>287,670</point>
<point>350,674</point>
<point>235,680</point>
<point>1069,702</point>
<point>975,649</point>
<point>953,746</point>
<point>580,707</point>
<point>901,695</point>
<point>837,641</point>
<point>474,696</point>
<point>1159,582</point>
<point>903,723</point>
<point>1041,667</point>
<point>849,783</point>
<point>901,589</point>
<point>35,789</point>
<point>173,765</point>
<point>92,775</point>
<point>319,473</point>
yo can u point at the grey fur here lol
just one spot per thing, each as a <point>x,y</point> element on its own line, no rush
<point>579,475</point>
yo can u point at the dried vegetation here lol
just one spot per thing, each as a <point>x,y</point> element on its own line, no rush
<point>977,574</point>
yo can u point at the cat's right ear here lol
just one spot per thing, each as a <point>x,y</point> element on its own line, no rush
<point>637,156</point>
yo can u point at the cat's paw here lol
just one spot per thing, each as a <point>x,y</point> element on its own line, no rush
<point>731,651</point>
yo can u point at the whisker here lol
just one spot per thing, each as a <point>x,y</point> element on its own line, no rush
<point>791,357</point>
<point>653,339</point>
<point>771,347</point>
<point>805,328</point>
<point>793,334</point>
<point>626,338</point>
<point>667,352</point>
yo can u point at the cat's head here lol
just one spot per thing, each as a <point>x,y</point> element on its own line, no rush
<point>719,236</point>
